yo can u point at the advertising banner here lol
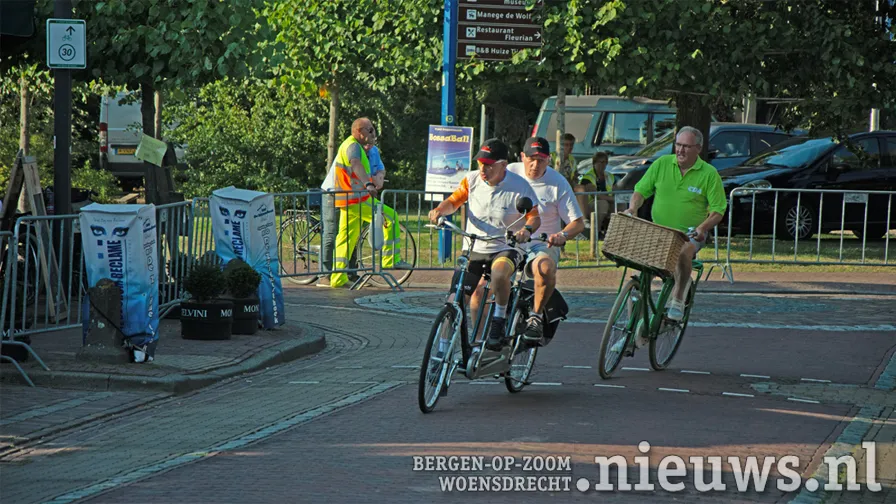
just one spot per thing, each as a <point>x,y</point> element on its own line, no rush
<point>245,227</point>
<point>119,242</point>
<point>448,157</point>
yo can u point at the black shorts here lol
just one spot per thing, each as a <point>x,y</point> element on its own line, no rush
<point>481,264</point>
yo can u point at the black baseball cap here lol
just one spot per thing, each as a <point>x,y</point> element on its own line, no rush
<point>492,150</point>
<point>537,146</point>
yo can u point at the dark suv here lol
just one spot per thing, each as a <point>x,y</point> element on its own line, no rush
<point>818,163</point>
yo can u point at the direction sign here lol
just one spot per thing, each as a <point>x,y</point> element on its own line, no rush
<point>496,29</point>
<point>495,15</point>
<point>529,36</point>
<point>66,43</point>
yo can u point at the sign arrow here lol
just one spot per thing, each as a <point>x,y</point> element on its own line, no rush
<point>70,30</point>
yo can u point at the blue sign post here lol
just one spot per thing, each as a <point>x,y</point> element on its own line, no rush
<point>449,57</point>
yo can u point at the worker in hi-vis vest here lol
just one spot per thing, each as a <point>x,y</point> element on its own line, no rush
<point>352,173</point>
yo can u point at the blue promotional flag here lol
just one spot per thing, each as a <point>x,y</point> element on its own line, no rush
<point>119,242</point>
<point>244,226</point>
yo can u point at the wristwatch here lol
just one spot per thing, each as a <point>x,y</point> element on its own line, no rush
<point>528,228</point>
<point>565,234</point>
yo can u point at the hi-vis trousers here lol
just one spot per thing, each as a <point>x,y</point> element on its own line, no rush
<point>350,218</point>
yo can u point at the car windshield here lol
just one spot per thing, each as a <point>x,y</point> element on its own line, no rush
<point>653,148</point>
<point>792,153</point>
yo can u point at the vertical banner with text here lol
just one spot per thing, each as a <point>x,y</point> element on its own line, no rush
<point>245,227</point>
<point>448,157</point>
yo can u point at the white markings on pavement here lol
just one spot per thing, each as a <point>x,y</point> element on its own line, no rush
<point>349,367</point>
<point>688,371</point>
<point>734,394</point>
<point>673,390</point>
<point>635,369</point>
<point>362,383</point>
<point>796,399</point>
<point>814,380</point>
<point>548,384</point>
<point>577,367</point>
<point>477,382</point>
<point>755,376</point>
<point>304,382</point>
<point>605,385</point>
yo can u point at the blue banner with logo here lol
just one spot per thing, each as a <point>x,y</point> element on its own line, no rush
<point>245,227</point>
<point>120,243</point>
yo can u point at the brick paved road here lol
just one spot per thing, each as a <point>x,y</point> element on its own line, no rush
<point>343,426</point>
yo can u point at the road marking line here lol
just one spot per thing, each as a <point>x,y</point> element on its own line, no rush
<point>186,458</point>
<point>635,369</point>
<point>673,390</point>
<point>395,305</point>
<point>348,367</point>
<point>608,386</point>
<point>362,383</point>
<point>755,376</point>
<point>477,382</point>
<point>551,384</point>
<point>814,380</point>
<point>304,382</point>
<point>809,401</point>
<point>577,367</point>
<point>406,367</point>
<point>688,371</point>
<point>734,394</point>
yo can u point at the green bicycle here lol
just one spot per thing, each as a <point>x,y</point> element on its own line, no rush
<point>639,310</point>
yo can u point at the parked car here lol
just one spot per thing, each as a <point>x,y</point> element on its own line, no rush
<point>121,127</point>
<point>818,163</point>
<point>730,144</point>
<point>608,123</point>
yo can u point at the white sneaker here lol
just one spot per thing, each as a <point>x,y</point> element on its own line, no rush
<point>676,310</point>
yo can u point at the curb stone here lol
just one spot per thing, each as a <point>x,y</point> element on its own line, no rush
<point>311,343</point>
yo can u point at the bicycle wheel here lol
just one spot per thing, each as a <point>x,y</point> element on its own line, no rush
<point>299,243</point>
<point>522,359</point>
<point>408,254</point>
<point>617,335</point>
<point>665,345</point>
<point>434,370</point>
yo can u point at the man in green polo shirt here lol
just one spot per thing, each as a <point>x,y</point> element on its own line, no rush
<point>687,193</point>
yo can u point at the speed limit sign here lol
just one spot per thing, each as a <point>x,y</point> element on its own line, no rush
<point>66,43</point>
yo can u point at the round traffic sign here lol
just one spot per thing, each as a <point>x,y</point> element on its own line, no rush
<point>67,52</point>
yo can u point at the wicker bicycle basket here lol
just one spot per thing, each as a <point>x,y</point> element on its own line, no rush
<point>643,243</point>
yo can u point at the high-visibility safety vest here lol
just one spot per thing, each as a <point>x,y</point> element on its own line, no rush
<point>346,180</point>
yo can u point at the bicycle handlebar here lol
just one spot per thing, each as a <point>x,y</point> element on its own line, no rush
<point>445,223</point>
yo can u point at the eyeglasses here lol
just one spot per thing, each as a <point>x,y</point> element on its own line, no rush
<point>685,146</point>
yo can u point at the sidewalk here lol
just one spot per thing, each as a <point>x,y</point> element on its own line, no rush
<point>179,365</point>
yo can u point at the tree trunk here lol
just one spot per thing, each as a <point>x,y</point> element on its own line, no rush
<point>561,122</point>
<point>24,133</point>
<point>334,115</point>
<point>147,107</point>
<point>693,112</point>
<point>158,115</point>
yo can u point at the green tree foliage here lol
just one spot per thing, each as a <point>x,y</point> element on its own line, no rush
<point>174,44</point>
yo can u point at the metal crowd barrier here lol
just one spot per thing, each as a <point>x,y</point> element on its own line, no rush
<point>174,224</point>
<point>763,215</point>
<point>582,252</point>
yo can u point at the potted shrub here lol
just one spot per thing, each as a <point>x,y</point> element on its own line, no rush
<point>242,286</point>
<point>204,316</point>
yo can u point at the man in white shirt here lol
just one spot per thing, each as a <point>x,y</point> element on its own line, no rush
<point>556,201</point>
<point>490,195</point>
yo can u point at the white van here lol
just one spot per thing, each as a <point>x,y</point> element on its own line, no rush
<point>121,127</point>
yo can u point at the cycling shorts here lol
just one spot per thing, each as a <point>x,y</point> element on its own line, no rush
<point>481,264</point>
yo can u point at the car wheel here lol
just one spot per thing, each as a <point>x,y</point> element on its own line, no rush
<point>875,232</point>
<point>798,223</point>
